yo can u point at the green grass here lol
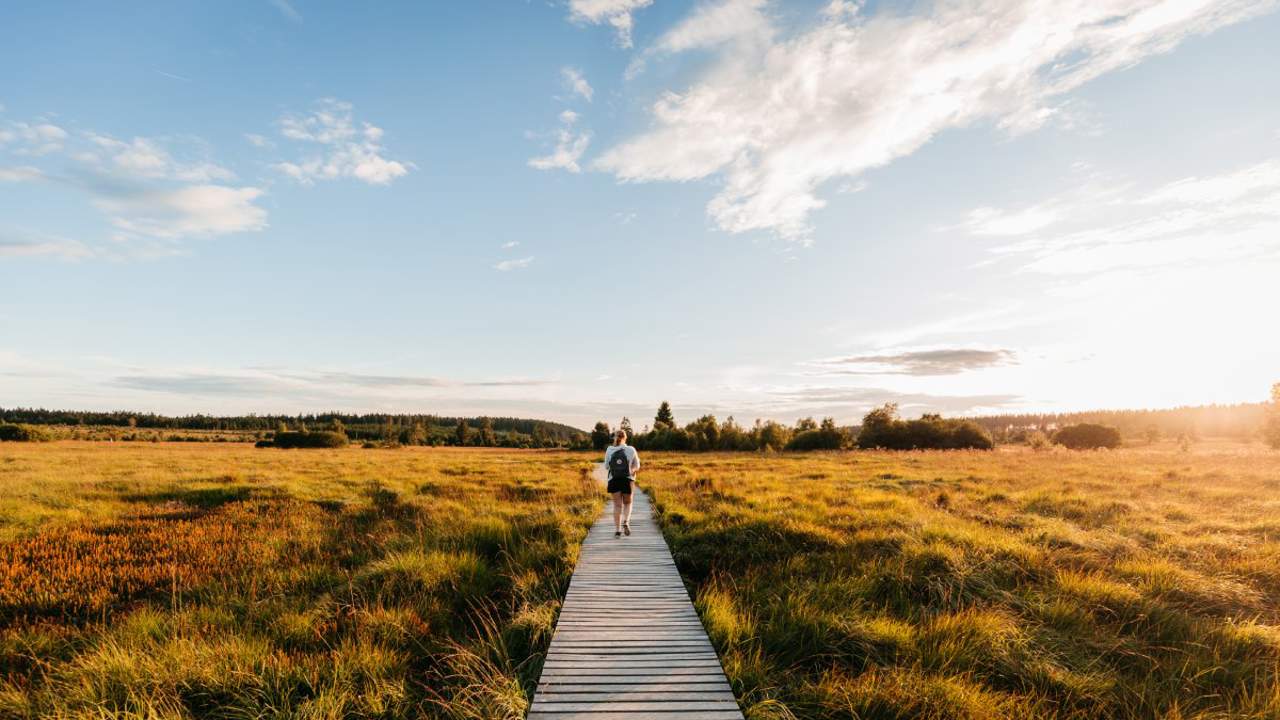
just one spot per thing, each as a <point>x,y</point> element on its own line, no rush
<point>226,582</point>
<point>1127,584</point>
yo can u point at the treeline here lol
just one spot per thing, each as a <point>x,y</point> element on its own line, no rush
<point>372,427</point>
<point>1239,422</point>
<point>880,429</point>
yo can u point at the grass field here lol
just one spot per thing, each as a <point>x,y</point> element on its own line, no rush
<point>216,580</point>
<point>1142,583</point>
<point>223,581</point>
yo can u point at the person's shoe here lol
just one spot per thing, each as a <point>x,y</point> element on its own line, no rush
<point>618,534</point>
<point>627,528</point>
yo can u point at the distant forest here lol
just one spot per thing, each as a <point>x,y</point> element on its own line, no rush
<point>1241,421</point>
<point>378,427</point>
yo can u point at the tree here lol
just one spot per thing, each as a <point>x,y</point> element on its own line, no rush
<point>601,435</point>
<point>626,426</point>
<point>1151,434</point>
<point>417,435</point>
<point>1087,436</point>
<point>462,433</point>
<point>1271,431</point>
<point>804,424</point>
<point>665,418</point>
<point>487,438</point>
<point>337,426</point>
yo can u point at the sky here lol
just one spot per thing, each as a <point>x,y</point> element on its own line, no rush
<point>574,209</point>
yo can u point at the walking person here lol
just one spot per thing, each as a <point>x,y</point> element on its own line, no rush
<point>622,463</point>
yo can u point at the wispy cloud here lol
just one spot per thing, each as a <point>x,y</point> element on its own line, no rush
<point>259,141</point>
<point>146,158</point>
<point>21,173</point>
<point>348,150</point>
<point>850,93</point>
<point>1217,218</point>
<point>286,8</point>
<point>33,139</point>
<point>616,13</point>
<point>576,82</point>
<point>151,196</point>
<point>507,265</point>
<point>943,361</point>
<point>510,244</point>
<point>25,244</point>
<point>570,144</point>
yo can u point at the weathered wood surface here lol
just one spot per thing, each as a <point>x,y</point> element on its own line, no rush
<point>628,644</point>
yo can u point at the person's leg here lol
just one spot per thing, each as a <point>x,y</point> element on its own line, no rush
<point>626,514</point>
<point>617,512</point>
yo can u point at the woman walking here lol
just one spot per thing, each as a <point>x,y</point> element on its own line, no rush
<point>622,463</point>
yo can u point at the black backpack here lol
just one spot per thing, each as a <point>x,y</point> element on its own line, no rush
<point>619,465</point>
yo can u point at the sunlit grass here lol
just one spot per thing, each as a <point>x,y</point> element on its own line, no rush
<point>223,581</point>
<point>1131,584</point>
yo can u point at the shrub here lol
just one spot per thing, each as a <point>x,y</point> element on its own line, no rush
<point>1087,436</point>
<point>881,428</point>
<point>24,433</point>
<point>825,437</point>
<point>264,443</point>
<point>319,439</point>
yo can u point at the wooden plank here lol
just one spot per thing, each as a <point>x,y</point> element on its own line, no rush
<point>628,644</point>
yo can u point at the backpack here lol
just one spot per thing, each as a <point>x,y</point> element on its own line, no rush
<point>619,465</point>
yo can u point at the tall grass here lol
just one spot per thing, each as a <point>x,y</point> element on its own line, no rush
<point>1015,584</point>
<point>221,581</point>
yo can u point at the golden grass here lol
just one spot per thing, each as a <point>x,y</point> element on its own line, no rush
<point>225,581</point>
<point>1142,583</point>
<point>217,580</point>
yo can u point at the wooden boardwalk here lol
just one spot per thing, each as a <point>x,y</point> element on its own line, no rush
<point>628,644</point>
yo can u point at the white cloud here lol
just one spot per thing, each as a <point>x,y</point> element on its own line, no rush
<point>616,13</point>
<point>853,93</point>
<point>507,265</point>
<point>146,158</point>
<point>196,210</point>
<point>35,139</point>
<point>1222,218</point>
<point>348,151</point>
<point>259,141</point>
<point>20,173</point>
<point>575,81</point>
<point>511,244</point>
<point>714,23</point>
<point>569,148</point>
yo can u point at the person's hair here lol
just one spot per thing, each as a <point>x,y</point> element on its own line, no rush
<point>620,435</point>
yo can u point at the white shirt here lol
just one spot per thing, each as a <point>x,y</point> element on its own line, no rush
<point>632,457</point>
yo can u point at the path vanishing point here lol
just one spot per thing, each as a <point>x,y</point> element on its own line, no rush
<point>628,644</point>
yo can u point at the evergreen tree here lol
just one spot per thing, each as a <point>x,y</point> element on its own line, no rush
<point>665,419</point>
<point>626,425</point>
<point>462,434</point>
<point>487,437</point>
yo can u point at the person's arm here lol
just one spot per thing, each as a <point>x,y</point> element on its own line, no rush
<point>635,461</point>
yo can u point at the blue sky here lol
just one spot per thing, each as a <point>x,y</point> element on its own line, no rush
<point>575,208</point>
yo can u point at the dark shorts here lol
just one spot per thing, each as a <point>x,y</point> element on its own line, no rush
<point>622,486</point>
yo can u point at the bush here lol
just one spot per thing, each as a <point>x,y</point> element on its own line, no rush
<point>881,428</point>
<point>1087,436</point>
<point>825,437</point>
<point>318,439</point>
<point>264,443</point>
<point>23,433</point>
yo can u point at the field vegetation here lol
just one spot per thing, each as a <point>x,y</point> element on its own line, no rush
<point>221,581</point>
<point>1137,583</point>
